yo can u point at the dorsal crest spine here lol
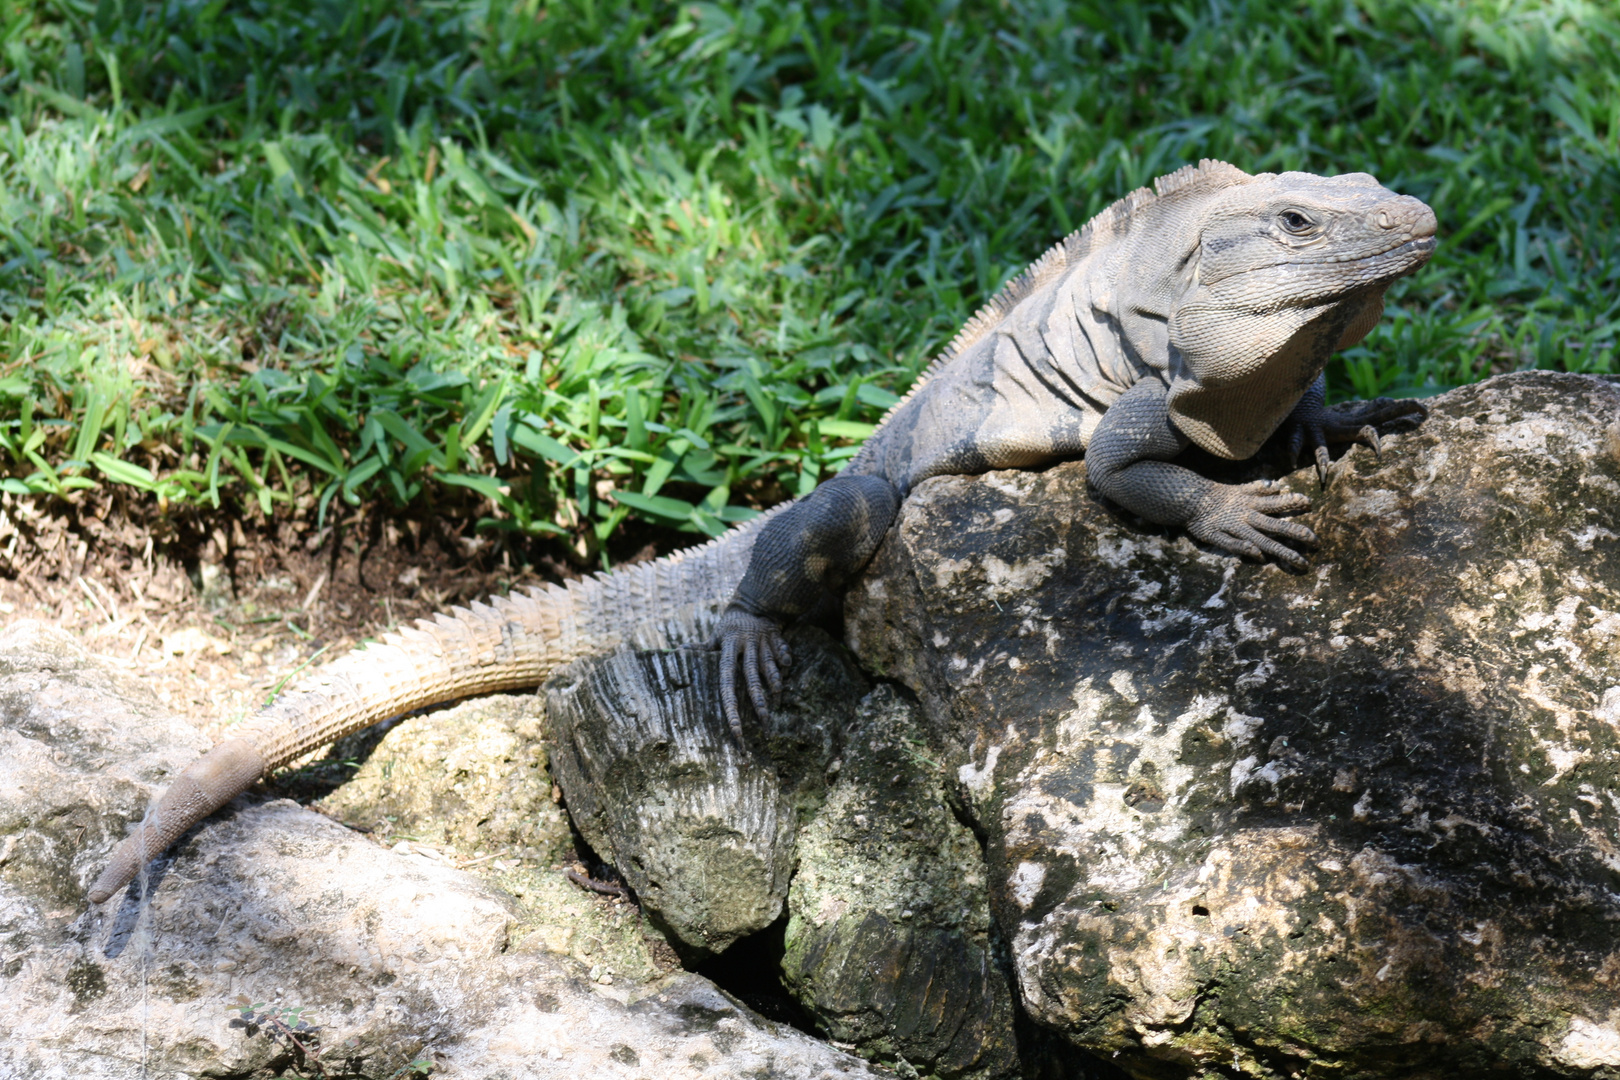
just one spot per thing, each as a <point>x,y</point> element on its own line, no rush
<point>1107,227</point>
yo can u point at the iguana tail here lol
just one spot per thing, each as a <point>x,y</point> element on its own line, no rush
<point>504,643</point>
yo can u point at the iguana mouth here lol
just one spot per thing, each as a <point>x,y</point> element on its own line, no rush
<point>1407,256</point>
<point>1413,252</point>
<point>1424,245</point>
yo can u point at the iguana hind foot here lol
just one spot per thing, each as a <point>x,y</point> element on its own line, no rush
<point>757,643</point>
<point>814,546</point>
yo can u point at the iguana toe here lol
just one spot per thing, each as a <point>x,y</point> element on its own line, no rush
<point>1317,426</point>
<point>1239,519</point>
<point>1368,435</point>
<point>1324,464</point>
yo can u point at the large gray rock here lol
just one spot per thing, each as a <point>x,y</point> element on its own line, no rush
<point>395,957</point>
<point>1359,821</point>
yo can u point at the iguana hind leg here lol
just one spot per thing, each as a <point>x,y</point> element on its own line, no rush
<point>812,547</point>
<point>1128,460</point>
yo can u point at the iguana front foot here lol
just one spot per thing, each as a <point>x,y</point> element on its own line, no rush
<point>1128,460</point>
<point>757,642</point>
<point>1313,424</point>
<point>1238,518</point>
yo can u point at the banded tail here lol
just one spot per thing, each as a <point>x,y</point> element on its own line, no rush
<point>504,643</point>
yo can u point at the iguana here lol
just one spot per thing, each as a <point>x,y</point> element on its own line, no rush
<point>1201,312</point>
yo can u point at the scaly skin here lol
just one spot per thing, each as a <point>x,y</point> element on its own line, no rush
<point>1202,312</point>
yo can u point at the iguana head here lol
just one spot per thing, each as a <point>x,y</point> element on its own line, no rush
<point>1286,268</point>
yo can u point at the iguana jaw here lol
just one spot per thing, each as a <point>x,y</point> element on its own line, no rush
<point>1311,284</point>
<point>1241,399</point>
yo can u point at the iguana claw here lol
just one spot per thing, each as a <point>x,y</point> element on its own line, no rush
<point>758,643</point>
<point>1316,425</point>
<point>1369,436</point>
<point>1324,462</point>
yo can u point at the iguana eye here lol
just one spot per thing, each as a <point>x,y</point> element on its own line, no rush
<point>1295,222</point>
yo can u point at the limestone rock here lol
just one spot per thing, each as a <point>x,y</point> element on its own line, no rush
<point>471,784</point>
<point>700,825</point>
<point>889,939</point>
<point>81,744</point>
<point>1359,821</point>
<point>473,778</point>
<point>392,957</point>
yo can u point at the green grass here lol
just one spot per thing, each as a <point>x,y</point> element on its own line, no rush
<point>566,262</point>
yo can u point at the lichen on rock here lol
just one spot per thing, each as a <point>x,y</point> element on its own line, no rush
<point>1360,819</point>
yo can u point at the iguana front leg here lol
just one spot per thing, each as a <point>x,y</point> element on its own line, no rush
<point>810,548</point>
<point>1313,424</point>
<point>1128,459</point>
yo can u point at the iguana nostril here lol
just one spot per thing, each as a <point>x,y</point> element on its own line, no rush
<point>1411,214</point>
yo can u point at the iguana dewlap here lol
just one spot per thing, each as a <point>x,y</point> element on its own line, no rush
<point>1201,312</point>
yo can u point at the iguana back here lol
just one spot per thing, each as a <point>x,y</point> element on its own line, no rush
<point>1104,229</point>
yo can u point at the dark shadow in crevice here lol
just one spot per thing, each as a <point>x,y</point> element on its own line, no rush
<point>751,972</point>
<point>1046,1055</point>
<point>603,877</point>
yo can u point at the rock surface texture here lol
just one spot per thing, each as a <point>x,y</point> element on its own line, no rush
<point>1361,821</point>
<point>1100,791</point>
<point>889,941</point>
<point>701,826</point>
<point>396,957</point>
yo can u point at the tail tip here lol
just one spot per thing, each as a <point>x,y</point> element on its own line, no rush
<point>116,875</point>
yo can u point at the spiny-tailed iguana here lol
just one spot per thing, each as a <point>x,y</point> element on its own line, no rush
<point>1200,312</point>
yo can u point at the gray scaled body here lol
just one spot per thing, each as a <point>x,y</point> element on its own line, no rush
<point>1200,312</point>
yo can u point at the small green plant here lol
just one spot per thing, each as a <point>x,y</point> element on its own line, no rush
<point>287,1028</point>
<point>916,749</point>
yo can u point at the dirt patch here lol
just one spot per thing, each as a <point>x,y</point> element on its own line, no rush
<point>214,610</point>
